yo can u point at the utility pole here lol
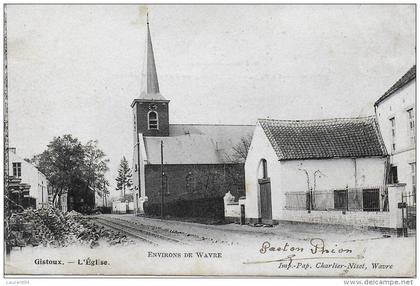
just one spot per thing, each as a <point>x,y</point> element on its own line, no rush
<point>162,193</point>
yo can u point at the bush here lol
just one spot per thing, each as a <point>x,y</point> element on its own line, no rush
<point>50,227</point>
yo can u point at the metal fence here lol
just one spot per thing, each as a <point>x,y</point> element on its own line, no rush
<point>409,212</point>
<point>351,199</point>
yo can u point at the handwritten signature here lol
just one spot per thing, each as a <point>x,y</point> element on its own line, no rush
<point>317,250</point>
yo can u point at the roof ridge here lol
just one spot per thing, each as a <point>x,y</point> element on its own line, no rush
<point>317,120</point>
<point>210,124</point>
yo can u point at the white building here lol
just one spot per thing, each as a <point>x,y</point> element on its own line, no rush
<point>30,175</point>
<point>318,171</point>
<point>395,112</point>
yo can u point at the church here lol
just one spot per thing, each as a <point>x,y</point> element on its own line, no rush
<point>186,168</point>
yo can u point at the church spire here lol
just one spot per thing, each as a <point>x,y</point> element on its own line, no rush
<point>150,84</point>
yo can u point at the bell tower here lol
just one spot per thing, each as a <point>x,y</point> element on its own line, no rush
<point>150,109</point>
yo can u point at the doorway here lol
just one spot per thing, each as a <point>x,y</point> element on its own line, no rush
<point>265,193</point>
<point>265,201</point>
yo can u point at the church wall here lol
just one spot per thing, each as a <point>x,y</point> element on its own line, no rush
<point>190,184</point>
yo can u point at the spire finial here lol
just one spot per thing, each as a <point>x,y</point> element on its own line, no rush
<point>147,17</point>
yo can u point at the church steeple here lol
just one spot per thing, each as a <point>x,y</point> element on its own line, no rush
<point>150,83</point>
<point>150,109</point>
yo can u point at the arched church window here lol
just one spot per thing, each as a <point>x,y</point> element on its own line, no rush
<point>189,182</point>
<point>153,120</point>
<point>166,184</point>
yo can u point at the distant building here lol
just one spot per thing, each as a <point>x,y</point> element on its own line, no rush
<point>197,158</point>
<point>100,200</point>
<point>317,171</point>
<point>395,111</point>
<point>28,174</point>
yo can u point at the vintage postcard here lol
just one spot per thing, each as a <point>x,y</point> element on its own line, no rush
<point>210,140</point>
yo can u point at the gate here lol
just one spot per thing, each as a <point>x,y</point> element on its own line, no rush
<point>409,210</point>
<point>265,201</point>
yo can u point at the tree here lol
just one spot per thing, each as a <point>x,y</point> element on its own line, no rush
<point>94,167</point>
<point>124,177</point>
<point>104,193</point>
<point>68,165</point>
<point>240,150</point>
<point>62,164</point>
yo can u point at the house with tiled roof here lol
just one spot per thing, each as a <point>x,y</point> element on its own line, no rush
<point>186,168</point>
<point>395,112</point>
<point>317,171</point>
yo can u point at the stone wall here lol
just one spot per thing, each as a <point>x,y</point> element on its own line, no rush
<point>232,211</point>
<point>356,218</point>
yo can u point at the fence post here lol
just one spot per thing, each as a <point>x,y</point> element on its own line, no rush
<point>347,198</point>
<point>311,204</point>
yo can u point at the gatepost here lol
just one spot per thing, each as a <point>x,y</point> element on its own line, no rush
<point>242,210</point>
<point>395,193</point>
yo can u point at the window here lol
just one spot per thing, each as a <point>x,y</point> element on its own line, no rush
<point>411,126</point>
<point>392,121</point>
<point>189,182</point>
<point>371,200</point>
<point>17,169</point>
<point>340,199</point>
<point>153,120</point>
<point>413,179</point>
<point>413,173</point>
<point>393,175</point>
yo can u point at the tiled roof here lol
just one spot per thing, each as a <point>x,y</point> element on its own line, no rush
<point>322,139</point>
<point>197,143</point>
<point>409,76</point>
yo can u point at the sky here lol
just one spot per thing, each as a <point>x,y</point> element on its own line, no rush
<point>76,69</point>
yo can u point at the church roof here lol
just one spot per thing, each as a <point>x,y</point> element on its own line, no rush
<point>197,143</point>
<point>405,79</point>
<point>150,84</point>
<point>323,139</point>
